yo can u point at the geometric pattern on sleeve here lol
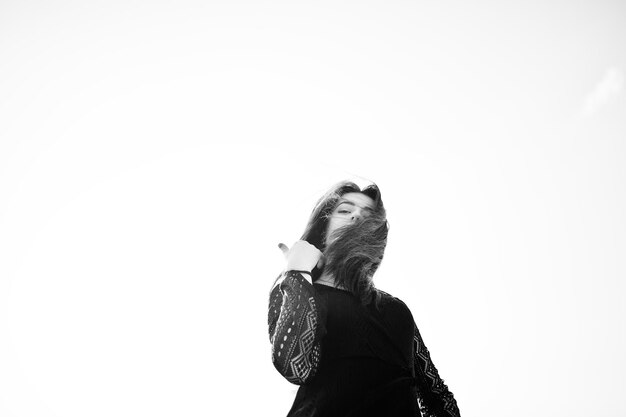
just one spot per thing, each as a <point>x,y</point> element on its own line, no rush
<point>295,330</point>
<point>304,364</point>
<point>434,397</point>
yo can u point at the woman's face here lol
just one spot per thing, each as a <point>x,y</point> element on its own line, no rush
<point>350,208</point>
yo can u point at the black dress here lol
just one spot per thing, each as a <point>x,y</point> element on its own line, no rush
<point>350,359</point>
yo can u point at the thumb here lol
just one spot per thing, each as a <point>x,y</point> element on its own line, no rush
<point>284,248</point>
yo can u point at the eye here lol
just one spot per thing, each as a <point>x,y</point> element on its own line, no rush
<point>344,211</point>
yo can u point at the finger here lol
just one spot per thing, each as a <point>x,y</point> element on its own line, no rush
<point>284,248</point>
<point>321,261</point>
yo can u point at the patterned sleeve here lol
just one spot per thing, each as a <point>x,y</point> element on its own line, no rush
<point>296,327</point>
<point>434,398</point>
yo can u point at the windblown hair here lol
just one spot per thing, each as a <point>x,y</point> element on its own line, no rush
<point>357,249</point>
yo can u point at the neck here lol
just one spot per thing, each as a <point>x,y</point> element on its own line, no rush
<point>327,279</point>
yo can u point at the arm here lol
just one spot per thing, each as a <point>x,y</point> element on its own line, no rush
<point>296,326</point>
<point>434,398</point>
<point>276,301</point>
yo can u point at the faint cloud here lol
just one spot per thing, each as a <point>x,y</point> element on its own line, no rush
<point>611,85</point>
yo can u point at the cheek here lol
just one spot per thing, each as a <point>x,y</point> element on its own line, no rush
<point>334,224</point>
<point>330,226</point>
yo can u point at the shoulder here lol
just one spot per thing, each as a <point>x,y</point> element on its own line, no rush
<point>394,306</point>
<point>397,318</point>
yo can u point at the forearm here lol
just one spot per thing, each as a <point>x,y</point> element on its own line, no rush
<point>297,327</point>
<point>434,395</point>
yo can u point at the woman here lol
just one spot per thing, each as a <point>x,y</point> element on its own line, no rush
<point>353,349</point>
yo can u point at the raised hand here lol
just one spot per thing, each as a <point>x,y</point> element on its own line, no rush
<point>302,256</point>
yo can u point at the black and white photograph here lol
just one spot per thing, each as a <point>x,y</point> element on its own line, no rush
<point>312,209</point>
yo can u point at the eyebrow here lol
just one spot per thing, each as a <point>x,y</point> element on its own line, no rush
<point>353,204</point>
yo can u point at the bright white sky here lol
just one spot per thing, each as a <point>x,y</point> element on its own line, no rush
<point>153,154</point>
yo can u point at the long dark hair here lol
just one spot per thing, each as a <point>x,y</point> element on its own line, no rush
<point>357,251</point>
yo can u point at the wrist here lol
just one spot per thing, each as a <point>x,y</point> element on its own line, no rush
<point>304,273</point>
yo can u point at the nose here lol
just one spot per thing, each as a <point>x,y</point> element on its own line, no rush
<point>356,215</point>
